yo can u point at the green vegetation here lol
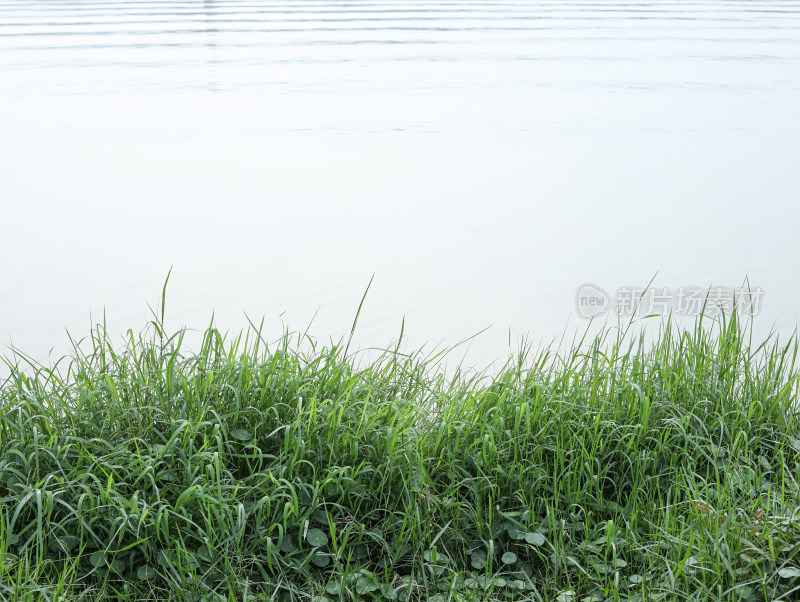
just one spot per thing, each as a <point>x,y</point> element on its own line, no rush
<point>618,469</point>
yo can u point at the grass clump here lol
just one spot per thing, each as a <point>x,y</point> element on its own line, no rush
<point>618,469</point>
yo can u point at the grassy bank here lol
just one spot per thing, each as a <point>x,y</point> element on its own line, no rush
<point>618,470</point>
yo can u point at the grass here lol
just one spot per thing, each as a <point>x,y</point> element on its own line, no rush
<point>616,469</point>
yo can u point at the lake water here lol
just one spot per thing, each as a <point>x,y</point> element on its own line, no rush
<point>482,159</point>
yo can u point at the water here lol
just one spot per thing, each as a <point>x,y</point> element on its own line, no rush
<point>482,159</point>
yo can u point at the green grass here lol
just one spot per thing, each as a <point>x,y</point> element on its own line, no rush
<point>621,468</point>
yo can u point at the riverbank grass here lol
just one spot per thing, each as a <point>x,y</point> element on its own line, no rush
<point>618,469</point>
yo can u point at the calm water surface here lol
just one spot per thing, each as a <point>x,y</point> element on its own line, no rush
<point>482,159</point>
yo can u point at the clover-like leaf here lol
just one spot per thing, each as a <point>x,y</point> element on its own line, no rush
<point>287,545</point>
<point>566,596</point>
<point>67,542</point>
<point>241,434</point>
<point>365,585</point>
<point>117,565</point>
<point>317,538</point>
<point>515,532</point>
<point>535,538</point>
<point>334,587</point>
<point>320,516</point>
<point>478,559</point>
<point>600,566</point>
<point>509,558</point>
<point>145,573</point>
<point>98,559</point>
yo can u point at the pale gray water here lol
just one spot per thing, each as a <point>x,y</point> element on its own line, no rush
<point>483,159</point>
